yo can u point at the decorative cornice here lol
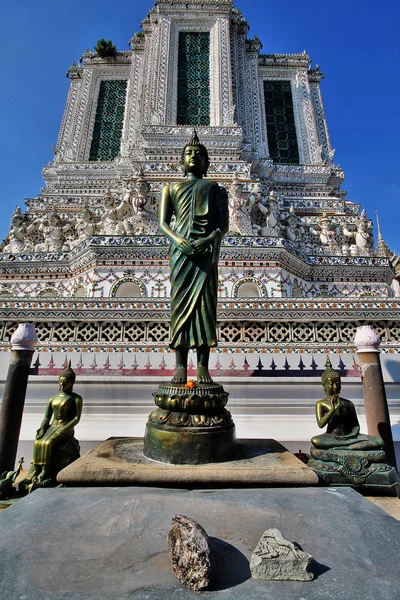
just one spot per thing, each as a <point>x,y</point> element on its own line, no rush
<point>315,75</point>
<point>285,60</point>
<point>137,41</point>
<point>167,139</point>
<point>74,72</point>
<point>125,243</point>
<point>190,5</point>
<point>279,309</point>
<point>89,58</point>
<point>254,46</point>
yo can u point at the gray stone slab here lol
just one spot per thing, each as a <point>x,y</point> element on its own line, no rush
<point>111,543</point>
<point>120,461</point>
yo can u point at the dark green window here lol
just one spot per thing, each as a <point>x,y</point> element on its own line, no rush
<point>281,130</point>
<point>109,120</point>
<point>194,79</point>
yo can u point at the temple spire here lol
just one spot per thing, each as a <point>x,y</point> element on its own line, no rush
<point>380,236</point>
<point>382,249</point>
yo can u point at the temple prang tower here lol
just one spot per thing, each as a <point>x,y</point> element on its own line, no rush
<point>299,270</point>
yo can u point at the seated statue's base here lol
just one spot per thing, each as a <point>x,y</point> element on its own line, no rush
<point>355,468</point>
<point>190,426</point>
<point>64,454</point>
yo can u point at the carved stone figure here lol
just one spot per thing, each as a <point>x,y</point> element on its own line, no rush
<point>33,235</point>
<point>86,224</point>
<point>291,230</point>
<point>201,212</point>
<point>142,219</point>
<point>271,227</point>
<point>53,231</point>
<point>110,222</point>
<point>55,446</point>
<point>16,235</point>
<point>239,215</point>
<point>342,455</point>
<point>278,559</point>
<point>8,480</point>
<point>363,238</point>
<point>345,250</point>
<point>328,234</point>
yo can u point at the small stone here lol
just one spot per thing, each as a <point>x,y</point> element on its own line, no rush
<point>190,552</point>
<point>275,558</point>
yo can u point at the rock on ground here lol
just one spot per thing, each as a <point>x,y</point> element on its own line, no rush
<point>275,558</point>
<point>190,552</point>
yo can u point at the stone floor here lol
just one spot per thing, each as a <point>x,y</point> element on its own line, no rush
<point>391,506</point>
<point>111,543</point>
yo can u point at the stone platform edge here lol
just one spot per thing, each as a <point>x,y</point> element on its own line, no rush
<point>120,462</point>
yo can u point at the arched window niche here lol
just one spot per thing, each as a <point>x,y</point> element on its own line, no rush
<point>128,288</point>
<point>249,288</point>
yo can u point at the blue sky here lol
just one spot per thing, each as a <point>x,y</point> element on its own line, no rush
<point>355,42</point>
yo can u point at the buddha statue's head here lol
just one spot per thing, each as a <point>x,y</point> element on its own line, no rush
<point>331,380</point>
<point>67,379</point>
<point>195,157</point>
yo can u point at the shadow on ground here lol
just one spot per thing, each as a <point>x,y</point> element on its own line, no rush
<point>232,567</point>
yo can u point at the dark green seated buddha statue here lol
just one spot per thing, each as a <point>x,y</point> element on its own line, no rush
<point>55,446</point>
<point>339,414</point>
<point>342,455</point>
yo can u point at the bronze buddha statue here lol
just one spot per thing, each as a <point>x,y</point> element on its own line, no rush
<point>339,414</point>
<point>55,446</point>
<point>201,215</point>
<point>342,455</point>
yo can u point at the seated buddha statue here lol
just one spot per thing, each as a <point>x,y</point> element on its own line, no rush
<point>339,414</point>
<point>55,446</point>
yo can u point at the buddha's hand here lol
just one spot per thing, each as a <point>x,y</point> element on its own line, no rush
<point>183,245</point>
<point>335,402</point>
<point>202,244</point>
<point>40,433</point>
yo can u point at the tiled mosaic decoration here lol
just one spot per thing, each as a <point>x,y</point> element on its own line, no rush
<point>126,335</point>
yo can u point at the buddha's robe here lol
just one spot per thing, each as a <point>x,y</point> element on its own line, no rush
<point>200,207</point>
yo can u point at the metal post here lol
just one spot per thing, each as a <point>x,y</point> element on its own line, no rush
<point>22,349</point>
<point>376,407</point>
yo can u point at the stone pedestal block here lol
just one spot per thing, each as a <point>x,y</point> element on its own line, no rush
<point>356,468</point>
